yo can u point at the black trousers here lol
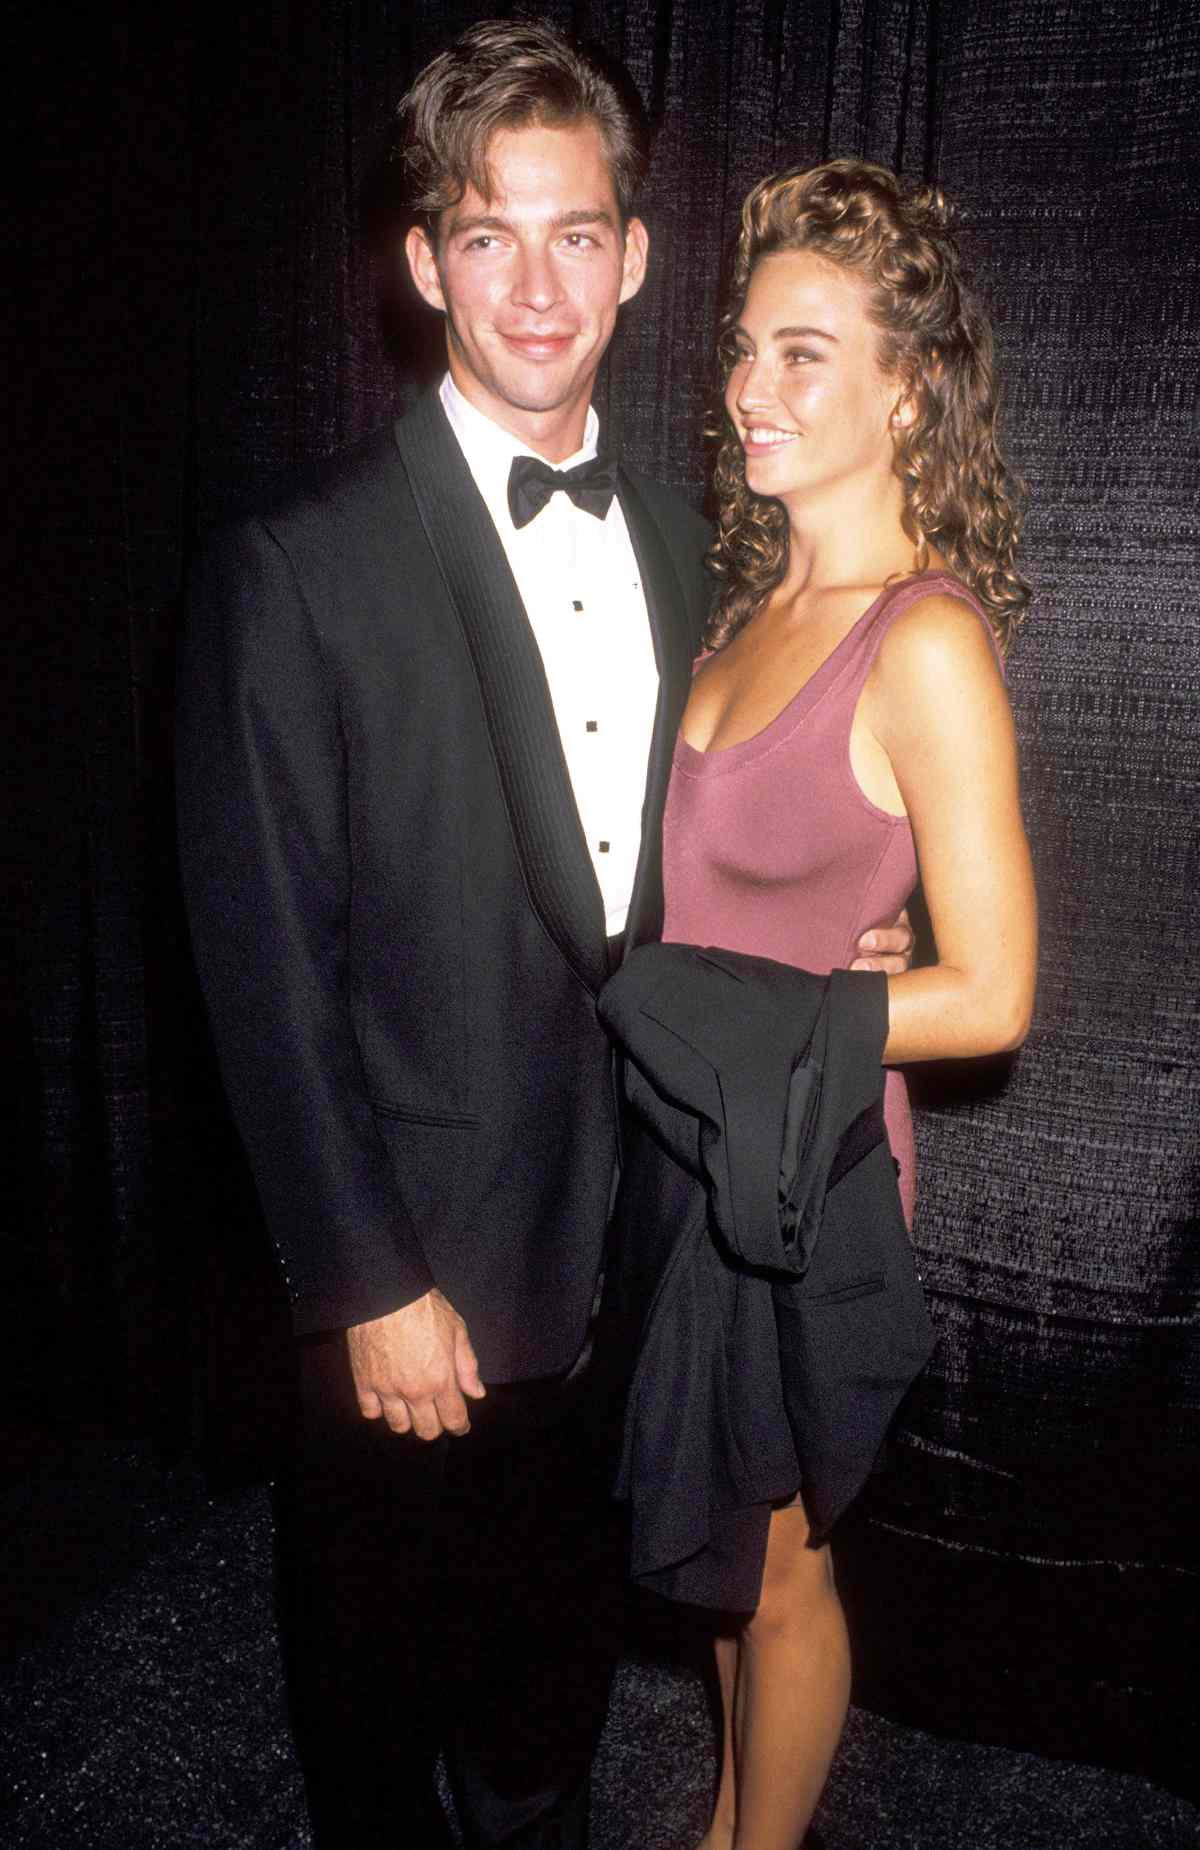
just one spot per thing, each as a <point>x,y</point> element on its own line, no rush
<point>462,1596</point>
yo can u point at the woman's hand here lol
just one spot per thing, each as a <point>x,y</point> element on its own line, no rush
<point>886,947</point>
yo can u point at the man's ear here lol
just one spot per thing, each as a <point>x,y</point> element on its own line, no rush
<point>637,250</point>
<point>423,265</point>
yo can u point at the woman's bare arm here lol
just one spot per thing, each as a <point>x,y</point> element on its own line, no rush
<point>936,702</point>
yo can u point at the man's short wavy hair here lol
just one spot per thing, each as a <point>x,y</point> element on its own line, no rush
<point>512,74</point>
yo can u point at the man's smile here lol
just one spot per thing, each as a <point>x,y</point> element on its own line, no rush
<point>537,346</point>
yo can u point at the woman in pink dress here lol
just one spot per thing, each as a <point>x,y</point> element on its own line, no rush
<point>850,726</point>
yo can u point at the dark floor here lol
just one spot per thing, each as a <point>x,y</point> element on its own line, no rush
<point>142,1708</point>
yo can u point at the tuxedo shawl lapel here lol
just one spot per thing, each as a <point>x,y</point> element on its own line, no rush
<point>559,876</point>
<point>666,610</point>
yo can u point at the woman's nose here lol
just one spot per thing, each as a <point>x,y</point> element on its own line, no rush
<point>756,386</point>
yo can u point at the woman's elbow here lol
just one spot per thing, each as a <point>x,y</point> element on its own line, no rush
<point>1009,1019</point>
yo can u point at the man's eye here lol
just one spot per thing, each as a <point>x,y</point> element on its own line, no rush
<point>482,242</point>
<point>579,240</point>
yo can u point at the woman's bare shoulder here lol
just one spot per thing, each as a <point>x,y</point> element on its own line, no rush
<point>935,637</point>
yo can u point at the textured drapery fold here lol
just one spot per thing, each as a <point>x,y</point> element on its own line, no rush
<point>202,316</point>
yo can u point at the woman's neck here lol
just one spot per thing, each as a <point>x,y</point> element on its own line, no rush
<point>846,540</point>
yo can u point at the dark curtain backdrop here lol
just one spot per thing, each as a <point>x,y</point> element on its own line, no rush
<point>200,316</point>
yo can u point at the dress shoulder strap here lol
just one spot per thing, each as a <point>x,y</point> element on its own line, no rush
<point>900,597</point>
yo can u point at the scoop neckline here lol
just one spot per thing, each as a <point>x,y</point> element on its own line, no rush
<point>805,697</point>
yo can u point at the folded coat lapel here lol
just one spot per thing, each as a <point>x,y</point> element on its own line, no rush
<point>733,1036</point>
<point>668,624</point>
<point>559,875</point>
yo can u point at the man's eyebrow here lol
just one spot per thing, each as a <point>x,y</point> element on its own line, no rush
<point>491,221</point>
<point>582,215</point>
<point>479,221</point>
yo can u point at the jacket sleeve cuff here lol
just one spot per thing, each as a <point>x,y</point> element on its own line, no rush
<point>337,1307</point>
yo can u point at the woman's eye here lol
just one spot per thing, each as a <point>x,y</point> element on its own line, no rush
<point>798,356</point>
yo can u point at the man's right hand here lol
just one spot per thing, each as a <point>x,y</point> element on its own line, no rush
<point>413,1367</point>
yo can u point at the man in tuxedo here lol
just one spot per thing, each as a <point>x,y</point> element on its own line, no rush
<point>427,707</point>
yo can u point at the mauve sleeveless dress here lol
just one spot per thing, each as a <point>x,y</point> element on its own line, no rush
<point>771,848</point>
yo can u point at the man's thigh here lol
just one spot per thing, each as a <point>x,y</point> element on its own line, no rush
<point>354,1488</point>
<point>483,1538</point>
<point>362,1600</point>
<point>466,1594</point>
<point>535,1585</point>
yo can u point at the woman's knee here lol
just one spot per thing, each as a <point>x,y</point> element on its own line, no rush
<point>798,1585</point>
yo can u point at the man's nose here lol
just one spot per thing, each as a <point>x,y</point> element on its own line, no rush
<point>535,284</point>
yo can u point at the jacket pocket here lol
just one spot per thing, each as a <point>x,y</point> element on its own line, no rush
<point>412,1114</point>
<point>868,1286</point>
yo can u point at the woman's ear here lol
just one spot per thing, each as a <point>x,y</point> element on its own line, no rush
<point>923,381</point>
<point>903,414</point>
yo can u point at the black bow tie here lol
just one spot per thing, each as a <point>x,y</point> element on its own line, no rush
<point>531,482</point>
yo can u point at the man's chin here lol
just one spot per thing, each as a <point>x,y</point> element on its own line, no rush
<point>543,384</point>
<point>544,391</point>
<point>527,391</point>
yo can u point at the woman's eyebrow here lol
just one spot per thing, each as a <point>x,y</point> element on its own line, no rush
<point>794,333</point>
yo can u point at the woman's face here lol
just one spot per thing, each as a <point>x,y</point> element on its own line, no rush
<point>806,395</point>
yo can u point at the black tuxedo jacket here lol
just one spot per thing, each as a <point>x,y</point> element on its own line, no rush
<point>763,1257</point>
<point>395,918</point>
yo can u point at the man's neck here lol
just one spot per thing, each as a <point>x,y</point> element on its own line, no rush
<point>554,435</point>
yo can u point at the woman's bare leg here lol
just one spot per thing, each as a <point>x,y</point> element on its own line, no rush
<point>793,1689</point>
<point>790,1668</point>
<point>719,1835</point>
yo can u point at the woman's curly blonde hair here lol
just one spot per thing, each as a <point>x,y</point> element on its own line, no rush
<point>959,495</point>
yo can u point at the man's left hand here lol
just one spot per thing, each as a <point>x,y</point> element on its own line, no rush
<point>886,947</point>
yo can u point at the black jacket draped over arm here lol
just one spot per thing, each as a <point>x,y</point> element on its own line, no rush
<point>762,1254</point>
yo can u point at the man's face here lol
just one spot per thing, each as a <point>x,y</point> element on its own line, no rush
<point>530,281</point>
